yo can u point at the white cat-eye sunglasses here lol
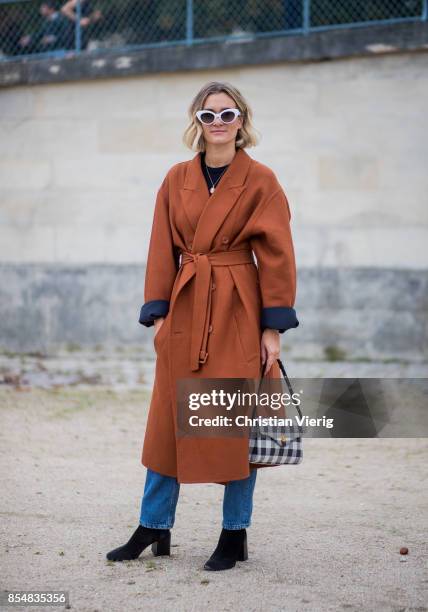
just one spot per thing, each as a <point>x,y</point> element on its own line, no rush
<point>228,115</point>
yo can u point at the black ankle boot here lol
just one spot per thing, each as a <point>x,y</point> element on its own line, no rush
<point>160,539</point>
<point>231,547</point>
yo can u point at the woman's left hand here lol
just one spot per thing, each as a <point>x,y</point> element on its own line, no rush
<point>270,347</point>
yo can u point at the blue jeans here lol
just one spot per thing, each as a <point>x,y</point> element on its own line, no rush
<point>161,495</point>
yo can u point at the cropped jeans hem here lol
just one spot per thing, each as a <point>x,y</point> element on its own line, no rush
<point>234,526</point>
<point>156,526</point>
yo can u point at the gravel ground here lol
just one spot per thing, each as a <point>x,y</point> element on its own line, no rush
<point>133,368</point>
<point>325,534</point>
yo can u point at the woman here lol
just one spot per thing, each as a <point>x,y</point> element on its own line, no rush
<point>216,315</point>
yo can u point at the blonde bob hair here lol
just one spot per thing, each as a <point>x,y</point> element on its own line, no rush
<point>193,136</point>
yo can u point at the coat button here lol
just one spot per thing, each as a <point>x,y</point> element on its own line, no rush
<point>190,245</point>
<point>225,240</point>
<point>212,286</point>
<point>210,329</point>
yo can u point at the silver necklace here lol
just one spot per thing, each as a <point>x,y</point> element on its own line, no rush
<point>212,189</point>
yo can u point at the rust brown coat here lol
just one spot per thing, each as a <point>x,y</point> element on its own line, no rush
<point>202,245</point>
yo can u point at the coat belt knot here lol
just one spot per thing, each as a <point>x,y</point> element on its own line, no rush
<point>201,321</point>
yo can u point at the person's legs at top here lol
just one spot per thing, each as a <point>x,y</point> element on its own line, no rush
<point>237,511</point>
<point>157,516</point>
<point>238,502</point>
<point>159,501</point>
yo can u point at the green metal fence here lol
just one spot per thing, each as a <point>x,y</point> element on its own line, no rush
<point>56,28</point>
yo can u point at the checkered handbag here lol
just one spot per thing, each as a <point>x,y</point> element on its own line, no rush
<point>276,445</point>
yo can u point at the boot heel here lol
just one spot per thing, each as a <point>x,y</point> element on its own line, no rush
<point>162,546</point>
<point>243,553</point>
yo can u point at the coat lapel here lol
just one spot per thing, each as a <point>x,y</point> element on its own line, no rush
<point>205,212</point>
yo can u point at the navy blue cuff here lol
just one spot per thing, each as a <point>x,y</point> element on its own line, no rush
<point>153,310</point>
<point>279,317</point>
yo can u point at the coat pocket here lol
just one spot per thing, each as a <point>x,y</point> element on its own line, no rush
<point>159,336</point>
<point>247,329</point>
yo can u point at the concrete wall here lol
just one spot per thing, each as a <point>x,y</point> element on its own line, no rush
<point>80,164</point>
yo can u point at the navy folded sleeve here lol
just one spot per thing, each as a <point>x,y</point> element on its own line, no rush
<point>279,317</point>
<point>163,261</point>
<point>153,310</point>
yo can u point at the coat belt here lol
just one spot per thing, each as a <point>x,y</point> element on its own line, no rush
<point>203,263</point>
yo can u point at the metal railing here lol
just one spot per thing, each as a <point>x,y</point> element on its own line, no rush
<point>56,28</point>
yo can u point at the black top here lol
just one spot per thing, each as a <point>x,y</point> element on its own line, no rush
<point>214,172</point>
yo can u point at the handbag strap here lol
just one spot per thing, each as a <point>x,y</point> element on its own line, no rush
<point>284,373</point>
